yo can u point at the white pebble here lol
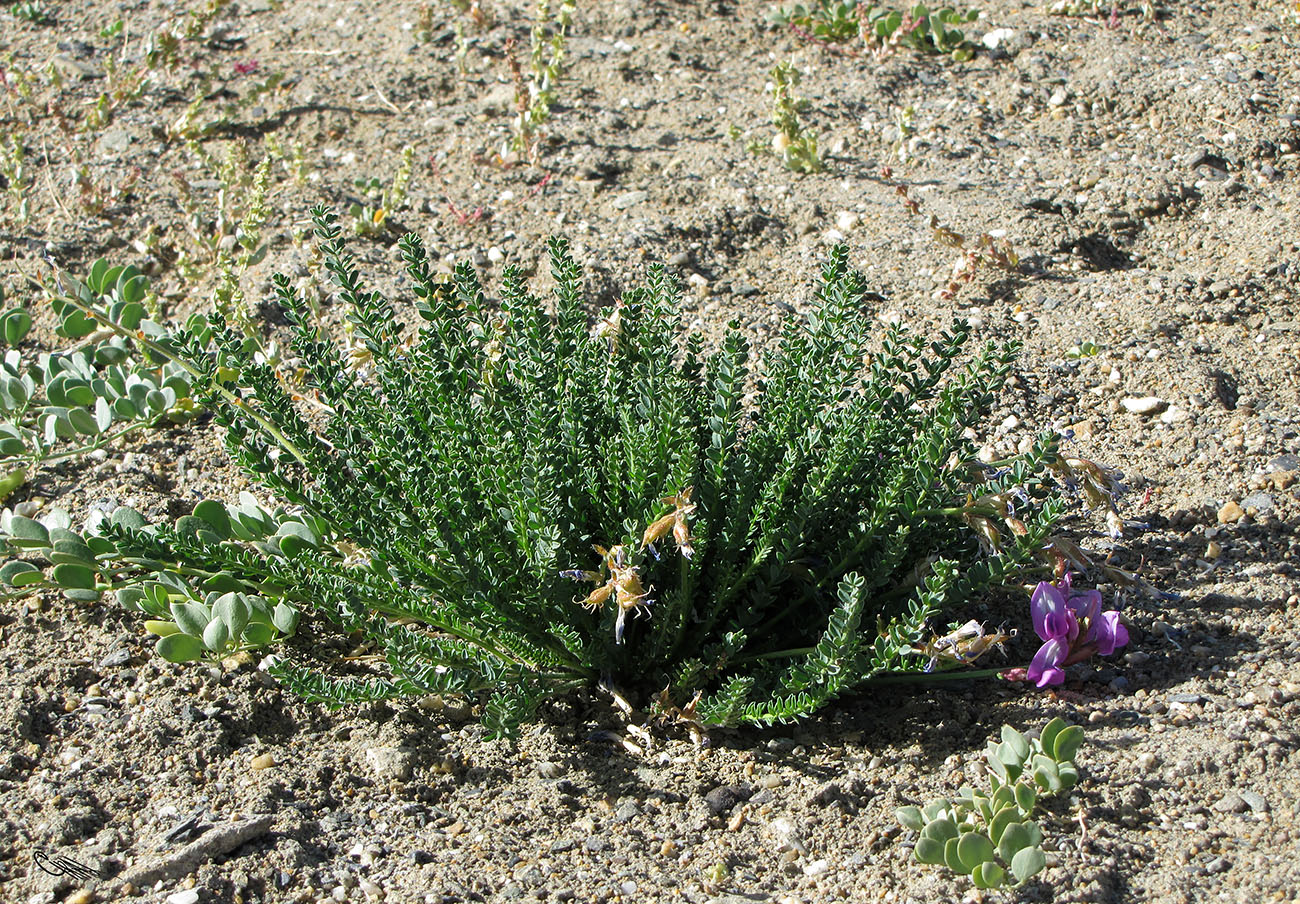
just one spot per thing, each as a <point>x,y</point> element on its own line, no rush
<point>1145,405</point>
<point>995,38</point>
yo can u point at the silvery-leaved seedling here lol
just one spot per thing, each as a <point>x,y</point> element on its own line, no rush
<point>990,834</point>
<point>511,501</point>
<point>58,406</point>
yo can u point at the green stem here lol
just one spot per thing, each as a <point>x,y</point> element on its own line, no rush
<point>933,677</point>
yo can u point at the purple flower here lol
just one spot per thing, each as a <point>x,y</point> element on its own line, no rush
<point>1072,627</point>
<point>1057,623</point>
<point>1108,633</point>
<point>1046,667</point>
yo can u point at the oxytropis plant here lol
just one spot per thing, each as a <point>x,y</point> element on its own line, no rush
<point>991,835</point>
<point>511,502</point>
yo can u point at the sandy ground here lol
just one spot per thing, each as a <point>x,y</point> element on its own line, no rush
<point>1145,172</point>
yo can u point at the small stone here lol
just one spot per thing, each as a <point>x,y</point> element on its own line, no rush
<point>817,868</point>
<point>996,37</point>
<point>785,835</point>
<point>1174,415</point>
<point>630,199</point>
<point>393,763</point>
<point>1260,502</point>
<point>262,761</point>
<point>1254,800</point>
<point>1231,513</point>
<point>188,896</point>
<point>1213,550</point>
<point>1144,405</point>
<point>828,794</point>
<point>1232,802</point>
<point>723,798</point>
<point>120,656</point>
<point>595,844</point>
<point>547,769</point>
<point>772,781</point>
<point>83,896</point>
<point>845,220</point>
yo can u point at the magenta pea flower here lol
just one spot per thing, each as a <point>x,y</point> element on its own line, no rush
<point>1073,628</point>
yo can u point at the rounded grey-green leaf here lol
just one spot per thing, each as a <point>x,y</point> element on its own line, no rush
<point>973,849</point>
<point>988,875</point>
<point>216,635</point>
<point>1014,838</point>
<point>125,409</point>
<point>179,648</point>
<point>223,582</point>
<point>127,517</point>
<point>13,394</point>
<point>108,355</point>
<point>70,576</point>
<point>233,611</point>
<point>935,809</point>
<point>999,824</point>
<point>192,617</point>
<point>28,534</point>
<point>1067,744</point>
<point>16,324</point>
<point>103,414</point>
<point>83,421</point>
<point>79,595</point>
<point>72,550</point>
<point>20,574</point>
<point>952,857</point>
<point>1047,737</point>
<point>1016,742</point>
<point>285,618</point>
<point>216,516</point>
<point>941,829</point>
<point>258,634</point>
<point>911,818</point>
<point>79,394</point>
<point>1027,797</point>
<point>928,850</point>
<point>1028,863</point>
<point>189,526</point>
<point>131,598</point>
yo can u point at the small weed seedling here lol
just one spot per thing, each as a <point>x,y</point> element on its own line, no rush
<point>796,144</point>
<point>534,94</point>
<point>882,28</point>
<point>990,835</point>
<point>18,184</point>
<point>371,216</point>
<point>33,12</point>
